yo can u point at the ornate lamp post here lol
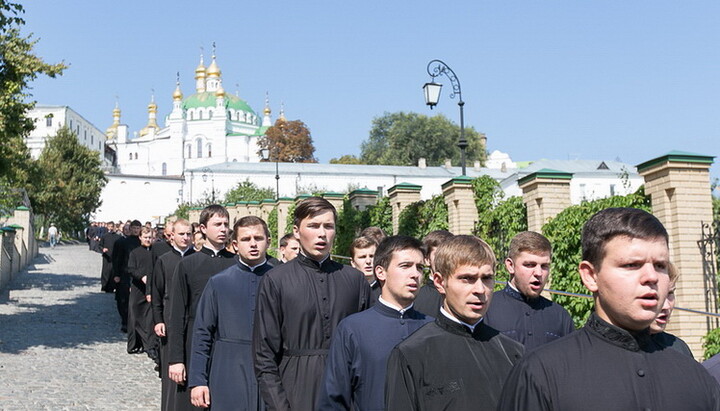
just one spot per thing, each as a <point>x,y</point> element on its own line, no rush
<point>432,89</point>
<point>212,181</point>
<point>265,154</point>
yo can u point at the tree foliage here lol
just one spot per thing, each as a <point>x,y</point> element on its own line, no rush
<point>403,138</point>
<point>564,232</point>
<point>248,191</point>
<point>69,181</point>
<point>18,67</point>
<point>289,142</point>
<point>422,217</point>
<point>346,159</point>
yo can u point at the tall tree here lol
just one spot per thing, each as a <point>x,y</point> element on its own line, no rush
<point>247,191</point>
<point>289,142</point>
<point>18,67</point>
<point>346,159</point>
<point>69,182</point>
<point>403,138</point>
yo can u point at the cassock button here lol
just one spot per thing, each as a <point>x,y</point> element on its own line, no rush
<point>324,298</point>
<point>641,373</point>
<point>327,316</point>
<point>529,332</point>
<point>527,314</point>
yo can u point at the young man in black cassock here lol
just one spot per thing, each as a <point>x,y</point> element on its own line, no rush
<point>518,310</point>
<point>188,283</point>
<point>163,271</point>
<point>139,315</point>
<point>299,304</point>
<point>612,363</point>
<point>355,373</point>
<point>457,362</point>
<point>121,254</point>
<point>107,245</point>
<point>429,300</point>
<point>221,369</point>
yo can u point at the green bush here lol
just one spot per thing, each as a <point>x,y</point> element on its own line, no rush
<point>350,223</point>
<point>422,217</point>
<point>564,233</point>
<point>711,343</point>
<point>380,215</point>
<point>272,223</point>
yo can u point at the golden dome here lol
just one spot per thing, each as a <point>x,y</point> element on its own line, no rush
<point>200,70</point>
<point>220,92</point>
<point>177,94</point>
<point>213,70</point>
<point>267,111</point>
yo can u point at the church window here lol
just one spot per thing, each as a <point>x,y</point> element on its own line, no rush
<point>188,151</point>
<point>71,124</point>
<point>209,150</point>
<point>48,120</point>
<point>77,131</point>
<point>200,115</point>
<point>164,169</point>
<point>229,115</point>
<point>136,156</point>
<point>209,114</point>
<point>192,117</point>
<point>92,139</point>
<point>130,156</point>
<point>85,135</point>
<point>199,148</point>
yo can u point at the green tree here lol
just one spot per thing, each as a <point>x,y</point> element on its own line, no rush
<point>69,182</point>
<point>289,142</point>
<point>18,67</point>
<point>422,217</point>
<point>248,191</point>
<point>346,159</point>
<point>403,138</point>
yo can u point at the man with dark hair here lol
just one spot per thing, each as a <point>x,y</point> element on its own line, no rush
<point>289,248</point>
<point>356,368</point>
<point>121,254</point>
<point>107,245</point>
<point>518,310</point>
<point>429,300</point>
<point>362,251</point>
<point>162,278</point>
<point>299,305</point>
<point>375,233</point>
<point>457,362</point>
<point>612,362</point>
<point>221,370</point>
<point>139,315</point>
<point>188,282</point>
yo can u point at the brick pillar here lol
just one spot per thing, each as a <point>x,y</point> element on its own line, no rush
<point>336,199</point>
<point>253,208</point>
<point>232,211</point>
<point>283,205</point>
<point>401,195</point>
<point>545,193</point>
<point>678,184</point>
<point>266,207</point>
<point>362,198</point>
<point>460,200</point>
<point>22,218</point>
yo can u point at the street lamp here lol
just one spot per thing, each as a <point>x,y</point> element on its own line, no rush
<point>432,89</point>
<point>205,171</point>
<point>265,153</point>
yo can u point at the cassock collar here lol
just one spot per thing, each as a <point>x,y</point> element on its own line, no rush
<point>252,269</point>
<point>515,294</point>
<point>309,262</point>
<point>634,341</point>
<point>453,323</point>
<point>213,253</point>
<point>401,311</point>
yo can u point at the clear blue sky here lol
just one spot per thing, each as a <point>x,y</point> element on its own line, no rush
<point>543,79</point>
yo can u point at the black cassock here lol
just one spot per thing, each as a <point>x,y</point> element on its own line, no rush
<point>531,322</point>
<point>186,287</point>
<point>222,339</point>
<point>428,300</point>
<point>108,241</point>
<point>162,276</point>
<point>157,249</point>
<point>121,254</point>
<point>445,366</point>
<point>299,304</point>
<point>603,367</point>
<point>139,315</point>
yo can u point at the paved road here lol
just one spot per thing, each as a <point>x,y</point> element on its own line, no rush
<point>60,342</point>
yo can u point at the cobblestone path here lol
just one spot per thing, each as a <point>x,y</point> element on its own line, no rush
<point>60,342</point>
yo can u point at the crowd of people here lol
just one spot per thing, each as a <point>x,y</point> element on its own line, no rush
<point>409,324</point>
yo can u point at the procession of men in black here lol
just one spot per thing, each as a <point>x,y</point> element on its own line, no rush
<point>231,327</point>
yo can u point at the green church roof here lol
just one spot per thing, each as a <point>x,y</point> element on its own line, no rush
<point>208,99</point>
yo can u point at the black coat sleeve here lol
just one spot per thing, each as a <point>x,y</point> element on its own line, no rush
<point>157,291</point>
<point>525,389</point>
<point>400,390</point>
<point>177,303</point>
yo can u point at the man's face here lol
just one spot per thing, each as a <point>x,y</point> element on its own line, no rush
<point>181,235</point>
<point>146,239</point>
<point>467,291</point>
<point>199,240</point>
<point>529,272</point>
<point>363,261</point>
<point>135,230</point>
<point>662,319</point>
<point>402,277</point>
<point>111,227</point>
<point>216,231</point>
<point>632,283</point>
<point>316,235</point>
<point>291,250</point>
<point>251,244</point>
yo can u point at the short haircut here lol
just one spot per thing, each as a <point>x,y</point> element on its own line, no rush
<point>213,210</point>
<point>529,242</point>
<point>135,223</point>
<point>146,230</point>
<point>388,246</point>
<point>310,207</point>
<point>434,239</point>
<point>673,273</point>
<point>376,233</point>
<point>613,222</point>
<point>109,223</point>
<point>250,221</point>
<point>462,250</point>
<point>180,221</point>
<point>360,243</point>
<point>286,239</point>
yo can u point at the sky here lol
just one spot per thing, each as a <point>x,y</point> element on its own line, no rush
<point>605,80</point>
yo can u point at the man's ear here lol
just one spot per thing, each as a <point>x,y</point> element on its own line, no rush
<point>439,283</point>
<point>296,232</point>
<point>380,273</point>
<point>588,274</point>
<point>510,265</point>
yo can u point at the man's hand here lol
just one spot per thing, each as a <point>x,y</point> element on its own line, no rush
<point>176,372</point>
<point>160,329</point>
<point>116,279</point>
<point>200,396</point>
<point>148,298</point>
<point>144,279</point>
<point>105,250</point>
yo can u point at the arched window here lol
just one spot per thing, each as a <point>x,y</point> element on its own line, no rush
<point>210,114</point>
<point>135,156</point>
<point>189,148</point>
<point>209,150</point>
<point>192,115</point>
<point>164,169</point>
<point>229,115</point>
<point>200,114</point>
<point>130,156</point>
<point>199,148</point>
